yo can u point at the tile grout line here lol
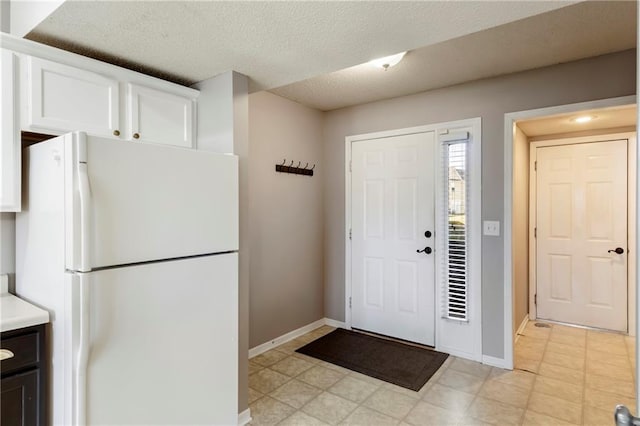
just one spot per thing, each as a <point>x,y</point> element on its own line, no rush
<point>537,374</point>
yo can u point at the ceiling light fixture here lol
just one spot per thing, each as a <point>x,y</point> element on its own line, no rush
<point>583,119</point>
<point>388,61</point>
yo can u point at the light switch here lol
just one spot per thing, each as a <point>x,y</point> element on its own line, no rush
<point>492,228</point>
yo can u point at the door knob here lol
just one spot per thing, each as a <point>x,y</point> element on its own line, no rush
<point>426,250</point>
<point>618,250</point>
<point>427,234</point>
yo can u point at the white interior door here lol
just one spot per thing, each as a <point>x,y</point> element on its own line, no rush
<point>581,218</point>
<point>392,209</point>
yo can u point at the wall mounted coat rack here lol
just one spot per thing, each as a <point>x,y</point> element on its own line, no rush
<point>296,170</point>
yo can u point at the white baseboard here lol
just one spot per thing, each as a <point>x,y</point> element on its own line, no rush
<point>293,334</point>
<point>285,338</point>
<point>495,362</point>
<point>245,417</point>
<point>521,329</point>
<point>333,323</point>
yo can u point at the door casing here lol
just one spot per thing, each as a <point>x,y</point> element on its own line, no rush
<point>510,120</point>
<point>459,339</point>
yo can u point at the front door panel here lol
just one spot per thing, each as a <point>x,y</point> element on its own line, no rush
<point>393,207</point>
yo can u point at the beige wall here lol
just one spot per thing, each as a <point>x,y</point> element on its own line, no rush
<point>595,78</point>
<point>520,228</point>
<point>286,218</point>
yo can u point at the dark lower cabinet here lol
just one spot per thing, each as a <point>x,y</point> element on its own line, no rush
<point>22,387</point>
<point>20,399</point>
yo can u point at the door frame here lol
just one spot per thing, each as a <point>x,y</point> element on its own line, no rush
<point>510,120</point>
<point>631,211</point>
<point>474,127</point>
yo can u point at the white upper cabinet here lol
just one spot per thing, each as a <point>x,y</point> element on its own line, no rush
<point>65,98</point>
<point>160,117</point>
<point>9,134</point>
<point>103,100</point>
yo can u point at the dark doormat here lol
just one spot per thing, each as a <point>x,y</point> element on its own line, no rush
<point>403,365</point>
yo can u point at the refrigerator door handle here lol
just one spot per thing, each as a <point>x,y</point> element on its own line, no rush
<point>84,192</point>
<point>82,355</point>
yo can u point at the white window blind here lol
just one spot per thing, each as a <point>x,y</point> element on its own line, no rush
<point>455,268</point>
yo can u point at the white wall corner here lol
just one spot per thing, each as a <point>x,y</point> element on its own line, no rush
<point>215,124</point>
<point>244,418</point>
<point>24,16</point>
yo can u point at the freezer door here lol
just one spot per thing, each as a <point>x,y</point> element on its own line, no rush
<point>130,202</point>
<point>162,343</point>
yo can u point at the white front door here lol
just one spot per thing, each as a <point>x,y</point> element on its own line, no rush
<point>392,214</point>
<point>581,220</point>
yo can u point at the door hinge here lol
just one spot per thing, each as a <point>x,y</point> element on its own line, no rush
<point>535,165</point>
<point>535,299</point>
<point>535,232</point>
<point>350,233</point>
<point>349,302</point>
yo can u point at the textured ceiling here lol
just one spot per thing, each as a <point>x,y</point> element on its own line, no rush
<point>606,118</point>
<point>578,31</point>
<point>274,43</point>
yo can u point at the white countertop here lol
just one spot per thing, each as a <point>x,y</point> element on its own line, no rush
<point>16,313</point>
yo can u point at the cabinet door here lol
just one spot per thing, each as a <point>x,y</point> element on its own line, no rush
<point>20,403</point>
<point>9,134</point>
<point>64,98</point>
<point>160,117</point>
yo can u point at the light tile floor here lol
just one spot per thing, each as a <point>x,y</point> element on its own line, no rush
<point>564,375</point>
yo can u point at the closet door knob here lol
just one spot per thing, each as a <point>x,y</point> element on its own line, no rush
<point>136,135</point>
<point>116,133</point>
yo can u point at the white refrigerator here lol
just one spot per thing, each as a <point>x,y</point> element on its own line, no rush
<point>132,248</point>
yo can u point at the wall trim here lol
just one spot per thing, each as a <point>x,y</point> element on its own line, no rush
<point>273,343</point>
<point>244,417</point>
<point>334,323</point>
<point>509,128</point>
<point>285,338</point>
<point>495,362</point>
<point>520,329</point>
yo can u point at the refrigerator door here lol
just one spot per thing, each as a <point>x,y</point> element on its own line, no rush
<point>162,343</point>
<point>129,202</point>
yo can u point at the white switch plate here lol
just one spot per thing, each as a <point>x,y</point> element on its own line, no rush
<point>492,228</point>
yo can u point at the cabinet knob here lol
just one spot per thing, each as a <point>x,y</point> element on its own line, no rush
<point>116,132</point>
<point>5,354</point>
<point>136,135</point>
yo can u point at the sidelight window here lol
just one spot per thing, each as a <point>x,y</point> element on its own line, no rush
<point>456,245</point>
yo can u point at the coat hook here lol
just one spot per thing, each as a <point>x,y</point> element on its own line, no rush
<point>298,166</point>
<point>314,166</point>
<point>306,165</point>
<point>284,162</point>
<point>291,163</point>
